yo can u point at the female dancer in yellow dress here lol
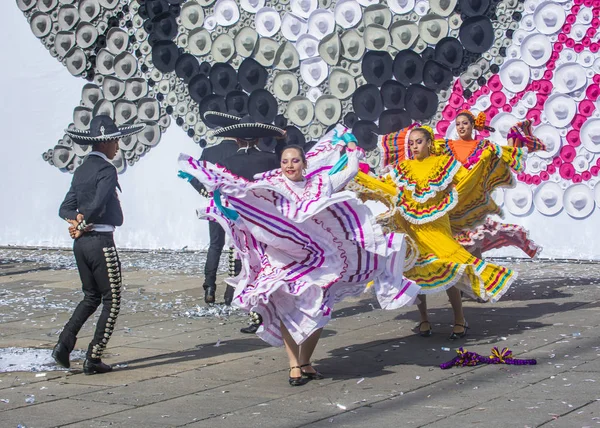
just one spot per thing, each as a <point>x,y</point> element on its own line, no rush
<point>422,191</point>
<point>467,150</point>
<point>475,232</point>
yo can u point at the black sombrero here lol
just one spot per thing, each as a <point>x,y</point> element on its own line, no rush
<point>102,129</point>
<point>248,130</point>
<point>216,119</point>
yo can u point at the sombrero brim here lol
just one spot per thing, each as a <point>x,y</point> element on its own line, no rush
<point>215,119</point>
<point>249,131</point>
<point>84,138</point>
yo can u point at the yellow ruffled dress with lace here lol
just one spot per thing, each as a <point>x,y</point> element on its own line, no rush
<point>421,194</point>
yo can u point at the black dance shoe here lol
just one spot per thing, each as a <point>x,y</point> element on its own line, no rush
<point>209,294</point>
<point>251,329</point>
<point>91,367</point>
<point>462,334</point>
<point>60,353</point>
<point>311,376</point>
<point>298,381</point>
<point>424,333</point>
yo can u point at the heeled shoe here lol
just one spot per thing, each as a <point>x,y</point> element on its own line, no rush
<point>424,333</point>
<point>297,381</point>
<point>312,376</point>
<point>462,334</point>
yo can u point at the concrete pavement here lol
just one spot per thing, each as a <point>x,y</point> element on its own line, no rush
<point>175,368</point>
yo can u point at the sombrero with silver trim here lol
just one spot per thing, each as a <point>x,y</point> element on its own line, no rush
<point>404,34</point>
<point>293,26</point>
<point>347,13</point>
<point>378,14</point>
<point>192,15</point>
<point>245,41</point>
<point>579,201</point>
<point>102,128</point>
<point>248,130</point>
<point>217,119</point>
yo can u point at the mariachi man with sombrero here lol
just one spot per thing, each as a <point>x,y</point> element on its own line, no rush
<point>248,160</point>
<point>93,210</point>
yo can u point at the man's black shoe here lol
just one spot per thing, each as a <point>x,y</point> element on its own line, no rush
<point>229,291</point>
<point>60,353</point>
<point>209,295</point>
<point>91,367</point>
<point>251,329</point>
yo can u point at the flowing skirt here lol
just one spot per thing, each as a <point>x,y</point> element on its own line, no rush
<point>300,259</point>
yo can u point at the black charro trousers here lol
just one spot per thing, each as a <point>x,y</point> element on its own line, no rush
<point>100,272</point>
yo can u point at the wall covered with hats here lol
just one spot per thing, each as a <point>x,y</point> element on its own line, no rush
<point>39,96</point>
<point>375,66</point>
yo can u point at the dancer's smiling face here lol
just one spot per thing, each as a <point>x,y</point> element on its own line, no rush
<point>419,143</point>
<point>293,163</point>
<point>464,127</point>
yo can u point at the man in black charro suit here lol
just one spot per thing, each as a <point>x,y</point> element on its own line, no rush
<point>93,209</point>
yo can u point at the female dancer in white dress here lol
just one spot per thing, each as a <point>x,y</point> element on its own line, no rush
<point>303,246</point>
